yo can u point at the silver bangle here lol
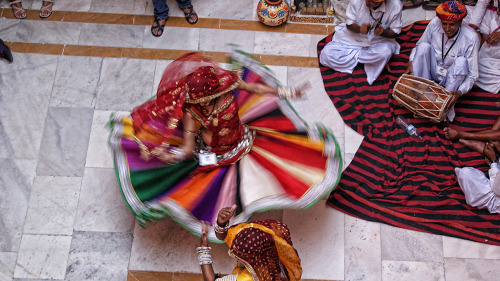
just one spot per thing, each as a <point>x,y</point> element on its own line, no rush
<point>220,229</point>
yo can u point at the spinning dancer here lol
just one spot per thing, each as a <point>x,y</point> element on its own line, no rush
<point>210,139</point>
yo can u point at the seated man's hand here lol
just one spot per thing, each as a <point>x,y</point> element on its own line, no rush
<point>493,38</point>
<point>409,69</point>
<point>379,30</point>
<point>364,28</point>
<point>456,95</point>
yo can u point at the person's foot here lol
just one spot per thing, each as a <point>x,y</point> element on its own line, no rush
<point>190,15</point>
<point>482,147</point>
<point>18,10</point>
<point>5,52</point>
<point>451,134</point>
<point>46,9</point>
<point>158,26</point>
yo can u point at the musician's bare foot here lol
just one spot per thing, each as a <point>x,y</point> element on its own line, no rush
<point>451,134</point>
<point>485,148</point>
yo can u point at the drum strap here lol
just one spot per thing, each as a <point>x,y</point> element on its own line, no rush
<point>443,55</point>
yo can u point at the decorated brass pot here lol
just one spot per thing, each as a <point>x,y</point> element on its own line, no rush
<point>273,12</point>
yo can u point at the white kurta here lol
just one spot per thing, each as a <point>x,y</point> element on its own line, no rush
<point>480,191</point>
<point>488,22</point>
<point>348,48</point>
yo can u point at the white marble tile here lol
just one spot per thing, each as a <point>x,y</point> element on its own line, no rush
<point>460,248</point>
<point>159,68</point>
<point>70,5</point>
<point>99,154</point>
<point>313,48</point>
<point>8,28</point>
<point>412,15</point>
<point>118,6</point>
<point>166,246</point>
<point>406,245</point>
<point>173,38</point>
<point>54,32</point>
<point>362,250</point>
<point>217,40</point>
<point>315,106</point>
<point>16,180</point>
<point>112,35</point>
<point>99,256</point>
<point>471,269</point>
<point>52,205</point>
<point>75,84</point>
<point>42,256</point>
<point>224,9</point>
<point>283,44</point>
<point>26,87</point>
<point>7,265</point>
<point>415,271</point>
<point>280,73</point>
<point>101,206</point>
<point>124,83</point>
<point>65,141</point>
<point>353,140</point>
<point>26,4</point>
<point>318,236</point>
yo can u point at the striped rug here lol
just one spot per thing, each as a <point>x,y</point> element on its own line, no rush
<point>400,180</point>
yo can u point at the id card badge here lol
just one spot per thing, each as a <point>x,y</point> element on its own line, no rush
<point>207,158</point>
<point>441,71</point>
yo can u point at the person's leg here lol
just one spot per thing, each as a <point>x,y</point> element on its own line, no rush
<point>477,189</point>
<point>455,74</point>
<point>5,52</point>
<point>189,13</point>
<point>424,62</point>
<point>340,56</point>
<point>161,14</point>
<point>375,58</point>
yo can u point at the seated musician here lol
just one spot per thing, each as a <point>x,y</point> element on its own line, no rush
<point>485,18</point>
<point>367,36</point>
<point>447,52</point>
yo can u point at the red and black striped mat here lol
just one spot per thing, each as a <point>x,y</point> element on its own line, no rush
<point>400,180</point>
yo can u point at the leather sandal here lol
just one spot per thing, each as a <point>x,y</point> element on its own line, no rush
<point>46,8</point>
<point>189,14</point>
<point>157,26</point>
<point>19,12</point>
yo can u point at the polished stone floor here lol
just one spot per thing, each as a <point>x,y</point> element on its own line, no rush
<point>62,216</point>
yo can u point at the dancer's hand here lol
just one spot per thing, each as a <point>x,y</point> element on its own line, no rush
<point>204,234</point>
<point>225,214</point>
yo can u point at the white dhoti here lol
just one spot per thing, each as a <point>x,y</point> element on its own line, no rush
<point>480,191</point>
<point>489,68</point>
<point>425,65</point>
<point>343,56</point>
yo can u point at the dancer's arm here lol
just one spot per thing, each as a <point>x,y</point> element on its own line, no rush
<point>174,155</point>
<point>284,92</point>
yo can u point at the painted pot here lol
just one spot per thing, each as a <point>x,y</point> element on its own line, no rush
<point>273,12</point>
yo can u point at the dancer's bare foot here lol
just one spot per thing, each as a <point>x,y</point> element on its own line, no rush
<point>451,134</point>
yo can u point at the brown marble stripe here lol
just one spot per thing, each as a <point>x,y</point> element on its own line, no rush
<point>136,275</point>
<point>105,18</point>
<point>143,53</point>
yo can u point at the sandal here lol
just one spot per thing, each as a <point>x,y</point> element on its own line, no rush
<point>189,14</point>
<point>46,8</point>
<point>19,12</point>
<point>157,26</point>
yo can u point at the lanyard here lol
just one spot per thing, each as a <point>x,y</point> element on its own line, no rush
<point>443,55</point>
<point>380,19</point>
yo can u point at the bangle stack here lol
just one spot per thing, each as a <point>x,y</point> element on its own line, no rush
<point>204,256</point>
<point>286,92</point>
<point>220,229</point>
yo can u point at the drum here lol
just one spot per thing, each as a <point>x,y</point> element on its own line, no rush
<point>423,97</point>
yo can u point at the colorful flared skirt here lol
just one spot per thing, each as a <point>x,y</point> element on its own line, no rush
<point>291,165</point>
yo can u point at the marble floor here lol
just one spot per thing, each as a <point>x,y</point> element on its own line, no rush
<point>61,213</point>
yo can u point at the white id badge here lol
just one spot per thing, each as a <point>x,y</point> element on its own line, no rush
<point>442,71</point>
<point>207,158</point>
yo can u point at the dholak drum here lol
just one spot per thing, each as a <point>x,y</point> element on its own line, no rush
<point>423,97</point>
